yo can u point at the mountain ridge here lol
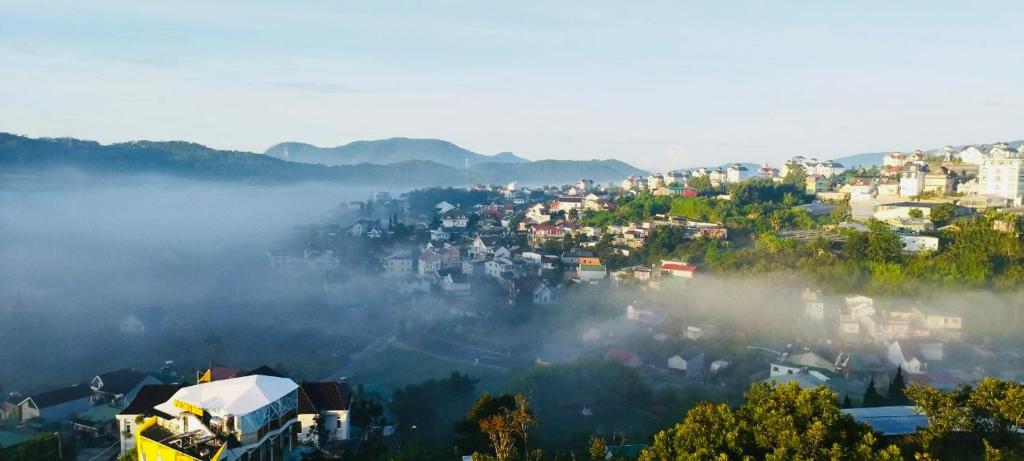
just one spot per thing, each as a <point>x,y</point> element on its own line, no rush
<point>387,151</point>
<point>19,154</point>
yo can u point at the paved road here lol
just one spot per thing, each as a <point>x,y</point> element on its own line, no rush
<point>359,359</point>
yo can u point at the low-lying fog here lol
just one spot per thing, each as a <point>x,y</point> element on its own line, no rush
<point>188,259</point>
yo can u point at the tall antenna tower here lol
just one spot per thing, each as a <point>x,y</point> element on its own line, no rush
<point>467,172</point>
<point>286,156</point>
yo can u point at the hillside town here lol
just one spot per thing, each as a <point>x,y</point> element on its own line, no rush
<point>462,264</point>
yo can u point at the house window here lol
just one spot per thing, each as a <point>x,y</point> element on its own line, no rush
<point>339,423</point>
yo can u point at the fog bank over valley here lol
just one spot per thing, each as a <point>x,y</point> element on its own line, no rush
<point>188,259</point>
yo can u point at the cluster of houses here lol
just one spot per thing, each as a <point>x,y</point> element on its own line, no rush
<point>513,241</point>
<point>916,338</point>
<point>159,415</point>
<point>980,176</point>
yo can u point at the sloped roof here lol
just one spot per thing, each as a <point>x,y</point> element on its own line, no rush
<point>678,267</point>
<point>217,373</point>
<point>121,381</point>
<point>690,353</point>
<point>237,396</point>
<point>889,420</point>
<point>149,397</point>
<point>263,370</point>
<point>324,396</point>
<point>67,394</point>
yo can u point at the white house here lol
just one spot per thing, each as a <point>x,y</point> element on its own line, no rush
<point>1001,175</point>
<point>538,213</point>
<point>119,387</point>
<point>861,189</point>
<point>455,283</point>
<point>737,173</point>
<point>894,160</point>
<point>912,177</point>
<point>444,207</point>
<point>429,262</point>
<point>913,243</point>
<point>328,402</point>
<point>454,219</point>
<point>904,357</point>
<point>398,264</point>
<point>829,168</point>
<point>142,406</point>
<point>57,405</point>
<point>690,360</point>
<point>902,210</point>
<point>497,266</point>
<point>591,272</point>
<point>971,155</point>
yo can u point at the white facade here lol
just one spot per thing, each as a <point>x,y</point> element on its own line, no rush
<point>971,155</point>
<point>737,173</point>
<point>1002,177</point>
<point>398,265</point>
<point>912,180</point>
<point>918,243</point>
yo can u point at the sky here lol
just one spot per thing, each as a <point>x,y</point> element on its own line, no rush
<point>660,85</point>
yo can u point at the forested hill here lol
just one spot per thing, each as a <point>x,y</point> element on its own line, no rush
<point>19,154</point>
<point>385,151</point>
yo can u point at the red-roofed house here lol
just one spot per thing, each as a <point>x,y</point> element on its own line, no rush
<point>678,269</point>
<point>626,358</point>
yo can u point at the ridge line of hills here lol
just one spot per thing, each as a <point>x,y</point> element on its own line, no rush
<point>385,151</point>
<point>21,154</point>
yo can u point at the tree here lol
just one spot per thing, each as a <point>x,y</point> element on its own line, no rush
<point>44,446</point>
<point>871,396</point>
<point>598,449</point>
<point>366,411</point>
<point>796,175</point>
<point>468,432</point>
<point>942,213</point>
<point>774,422</point>
<point>504,420</point>
<point>701,184</point>
<point>896,394</point>
<point>437,400</point>
<point>522,420</point>
<point>501,433</point>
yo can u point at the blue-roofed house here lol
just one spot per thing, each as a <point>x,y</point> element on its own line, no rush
<point>890,421</point>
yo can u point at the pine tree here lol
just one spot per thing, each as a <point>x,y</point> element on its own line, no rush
<point>847,403</point>
<point>896,394</point>
<point>871,396</point>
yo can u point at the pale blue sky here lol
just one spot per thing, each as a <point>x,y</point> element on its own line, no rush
<point>657,84</point>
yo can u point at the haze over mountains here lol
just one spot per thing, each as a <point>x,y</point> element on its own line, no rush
<point>19,154</point>
<point>393,163</point>
<point>385,151</point>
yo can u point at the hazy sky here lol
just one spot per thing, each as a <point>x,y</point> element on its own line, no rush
<point>661,85</point>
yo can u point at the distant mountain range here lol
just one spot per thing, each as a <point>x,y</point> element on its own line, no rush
<point>385,151</point>
<point>23,155</point>
<point>875,158</point>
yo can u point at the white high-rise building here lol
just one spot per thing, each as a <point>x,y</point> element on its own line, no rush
<point>1002,175</point>
<point>737,173</point>
<point>912,179</point>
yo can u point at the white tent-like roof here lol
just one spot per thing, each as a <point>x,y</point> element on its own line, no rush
<point>236,396</point>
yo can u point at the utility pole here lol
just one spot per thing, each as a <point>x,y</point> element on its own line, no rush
<point>60,448</point>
